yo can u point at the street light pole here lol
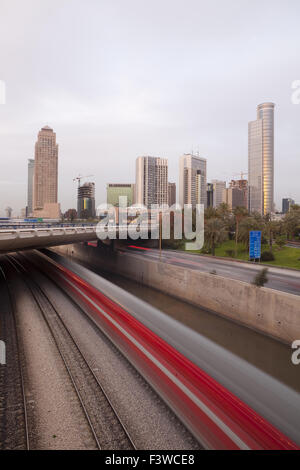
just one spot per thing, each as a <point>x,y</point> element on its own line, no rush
<point>160,233</point>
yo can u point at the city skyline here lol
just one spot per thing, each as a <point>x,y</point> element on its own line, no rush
<point>150,228</point>
<point>211,69</point>
<point>252,128</point>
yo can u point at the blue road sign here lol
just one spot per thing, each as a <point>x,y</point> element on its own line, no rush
<point>255,244</point>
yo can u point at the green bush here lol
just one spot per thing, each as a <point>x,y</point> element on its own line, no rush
<point>261,278</point>
<point>267,256</point>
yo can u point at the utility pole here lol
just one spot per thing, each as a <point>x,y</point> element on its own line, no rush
<point>160,233</point>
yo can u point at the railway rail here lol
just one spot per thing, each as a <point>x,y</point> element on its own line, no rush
<point>14,428</point>
<point>106,426</point>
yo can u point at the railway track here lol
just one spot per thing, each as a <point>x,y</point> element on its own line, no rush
<point>14,429</point>
<point>105,425</point>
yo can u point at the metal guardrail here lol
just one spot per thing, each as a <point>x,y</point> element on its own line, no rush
<point>4,226</point>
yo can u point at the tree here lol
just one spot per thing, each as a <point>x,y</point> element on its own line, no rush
<point>281,241</point>
<point>271,228</point>
<point>85,214</point>
<point>71,214</point>
<point>224,213</point>
<point>291,222</point>
<point>239,214</point>
<point>215,233</point>
<point>257,216</point>
<point>223,210</point>
<point>210,213</point>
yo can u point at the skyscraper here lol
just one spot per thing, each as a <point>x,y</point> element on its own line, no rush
<point>86,200</point>
<point>261,160</point>
<point>286,204</point>
<point>29,208</point>
<point>241,184</point>
<point>46,175</point>
<point>233,197</point>
<point>210,194</point>
<point>218,188</point>
<point>151,181</point>
<point>192,180</point>
<point>172,194</point>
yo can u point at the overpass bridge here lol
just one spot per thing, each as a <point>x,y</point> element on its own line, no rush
<point>35,237</point>
<point>16,239</point>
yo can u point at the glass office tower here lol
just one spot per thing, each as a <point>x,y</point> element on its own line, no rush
<point>261,160</point>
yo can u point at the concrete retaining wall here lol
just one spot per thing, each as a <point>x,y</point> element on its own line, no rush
<point>271,312</point>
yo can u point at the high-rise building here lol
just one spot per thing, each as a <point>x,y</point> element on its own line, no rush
<point>210,194</point>
<point>241,184</point>
<point>46,175</point>
<point>218,188</point>
<point>261,160</point>
<point>29,209</point>
<point>286,204</point>
<point>8,211</point>
<point>114,191</point>
<point>86,200</point>
<point>233,197</point>
<point>192,180</point>
<point>172,194</point>
<point>151,181</point>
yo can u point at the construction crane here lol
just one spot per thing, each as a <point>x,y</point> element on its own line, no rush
<point>79,178</point>
<point>241,174</point>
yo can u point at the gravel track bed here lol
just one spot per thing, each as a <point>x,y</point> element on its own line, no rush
<point>107,429</point>
<point>56,420</point>
<point>13,422</point>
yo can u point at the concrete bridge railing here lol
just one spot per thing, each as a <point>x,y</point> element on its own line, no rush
<point>23,239</point>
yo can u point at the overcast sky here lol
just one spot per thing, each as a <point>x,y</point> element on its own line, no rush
<point>117,79</point>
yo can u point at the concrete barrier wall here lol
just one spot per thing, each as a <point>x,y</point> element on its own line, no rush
<point>271,312</point>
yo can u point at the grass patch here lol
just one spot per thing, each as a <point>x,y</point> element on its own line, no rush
<point>286,257</point>
<point>229,245</point>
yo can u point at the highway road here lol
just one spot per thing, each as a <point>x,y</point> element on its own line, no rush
<point>282,279</point>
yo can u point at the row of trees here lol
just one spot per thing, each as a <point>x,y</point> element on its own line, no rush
<point>221,224</point>
<point>71,215</point>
